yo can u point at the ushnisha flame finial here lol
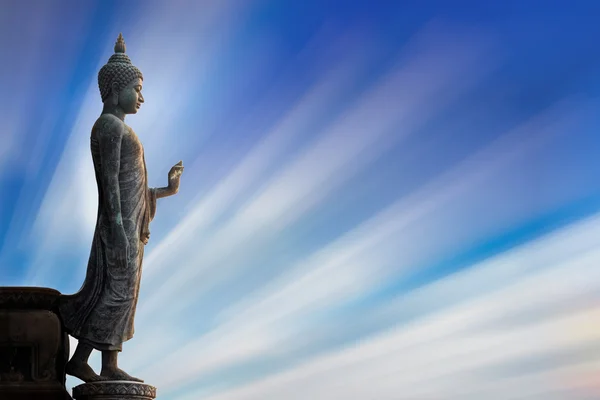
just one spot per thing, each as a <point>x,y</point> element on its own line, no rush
<point>120,45</point>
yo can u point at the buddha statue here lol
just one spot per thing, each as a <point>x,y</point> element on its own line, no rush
<point>101,314</point>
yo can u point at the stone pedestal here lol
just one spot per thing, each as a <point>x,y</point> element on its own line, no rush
<point>33,346</point>
<point>114,390</point>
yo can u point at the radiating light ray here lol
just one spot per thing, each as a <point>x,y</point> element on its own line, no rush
<point>337,266</point>
<point>248,173</point>
<point>358,137</point>
<point>396,354</point>
<point>252,168</point>
<point>456,181</point>
<point>523,263</point>
<point>13,113</point>
<point>28,126</point>
<point>182,72</point>
<point>69,206</point>
<point>33,157</point>
<point>350,266</point>
<point>66,218</point>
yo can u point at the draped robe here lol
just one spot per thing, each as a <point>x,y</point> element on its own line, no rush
<point>101,313</point>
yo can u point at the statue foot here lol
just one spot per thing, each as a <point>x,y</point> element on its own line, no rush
<point>83,371</point>
<point>117,374</point>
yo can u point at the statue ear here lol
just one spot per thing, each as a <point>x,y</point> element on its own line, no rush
<point>115,93</point>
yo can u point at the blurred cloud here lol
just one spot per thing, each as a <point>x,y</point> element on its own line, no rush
<point>66,218</point>
<point>446,353</point>
<point>13,110</point>
<point>366,212</point>
<point>187,37</point>
<point>356,264</point>
<point>67,215</point>
<point>390,110</point>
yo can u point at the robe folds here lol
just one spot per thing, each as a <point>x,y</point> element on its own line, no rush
<point>101,313</point>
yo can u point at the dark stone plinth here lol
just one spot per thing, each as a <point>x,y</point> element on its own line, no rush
<point>33,345</point>
<point>114,390</point>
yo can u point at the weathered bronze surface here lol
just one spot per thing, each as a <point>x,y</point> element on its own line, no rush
<point>101,314</point>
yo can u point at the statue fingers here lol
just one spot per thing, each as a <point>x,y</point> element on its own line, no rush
<point>176,171</point>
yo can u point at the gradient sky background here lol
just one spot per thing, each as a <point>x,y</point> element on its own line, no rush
<point>381,200</point>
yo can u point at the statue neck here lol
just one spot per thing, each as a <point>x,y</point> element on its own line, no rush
<point>114,110</point>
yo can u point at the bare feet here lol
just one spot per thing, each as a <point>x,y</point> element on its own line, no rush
<point>82,371</point>
<point>117,374</point>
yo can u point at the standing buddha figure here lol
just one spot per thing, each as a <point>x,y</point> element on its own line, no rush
<point>101,314</point>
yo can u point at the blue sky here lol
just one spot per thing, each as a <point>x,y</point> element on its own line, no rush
<point>390,200</point>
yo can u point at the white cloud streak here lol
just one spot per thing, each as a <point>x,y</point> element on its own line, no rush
<point>181,69</point>
<point>14,114</point>
<point>65,221</point>
<point>66,218</point>
<point>251,169</point>
<point>355,264</point>
<point>244,178</point>
<point>470,324</point>
<point>443,355</point>
<point>389,111</point>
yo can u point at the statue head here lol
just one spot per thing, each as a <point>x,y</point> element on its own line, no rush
<point>120,81</point>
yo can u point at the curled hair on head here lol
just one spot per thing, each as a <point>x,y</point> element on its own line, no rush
<point>118,69</point>
<point>123,75</point>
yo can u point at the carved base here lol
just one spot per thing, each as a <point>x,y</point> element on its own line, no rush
<point>114,390</point>
<point>33,345</point>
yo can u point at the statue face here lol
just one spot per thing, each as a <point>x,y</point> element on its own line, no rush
<point>130,97</point>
